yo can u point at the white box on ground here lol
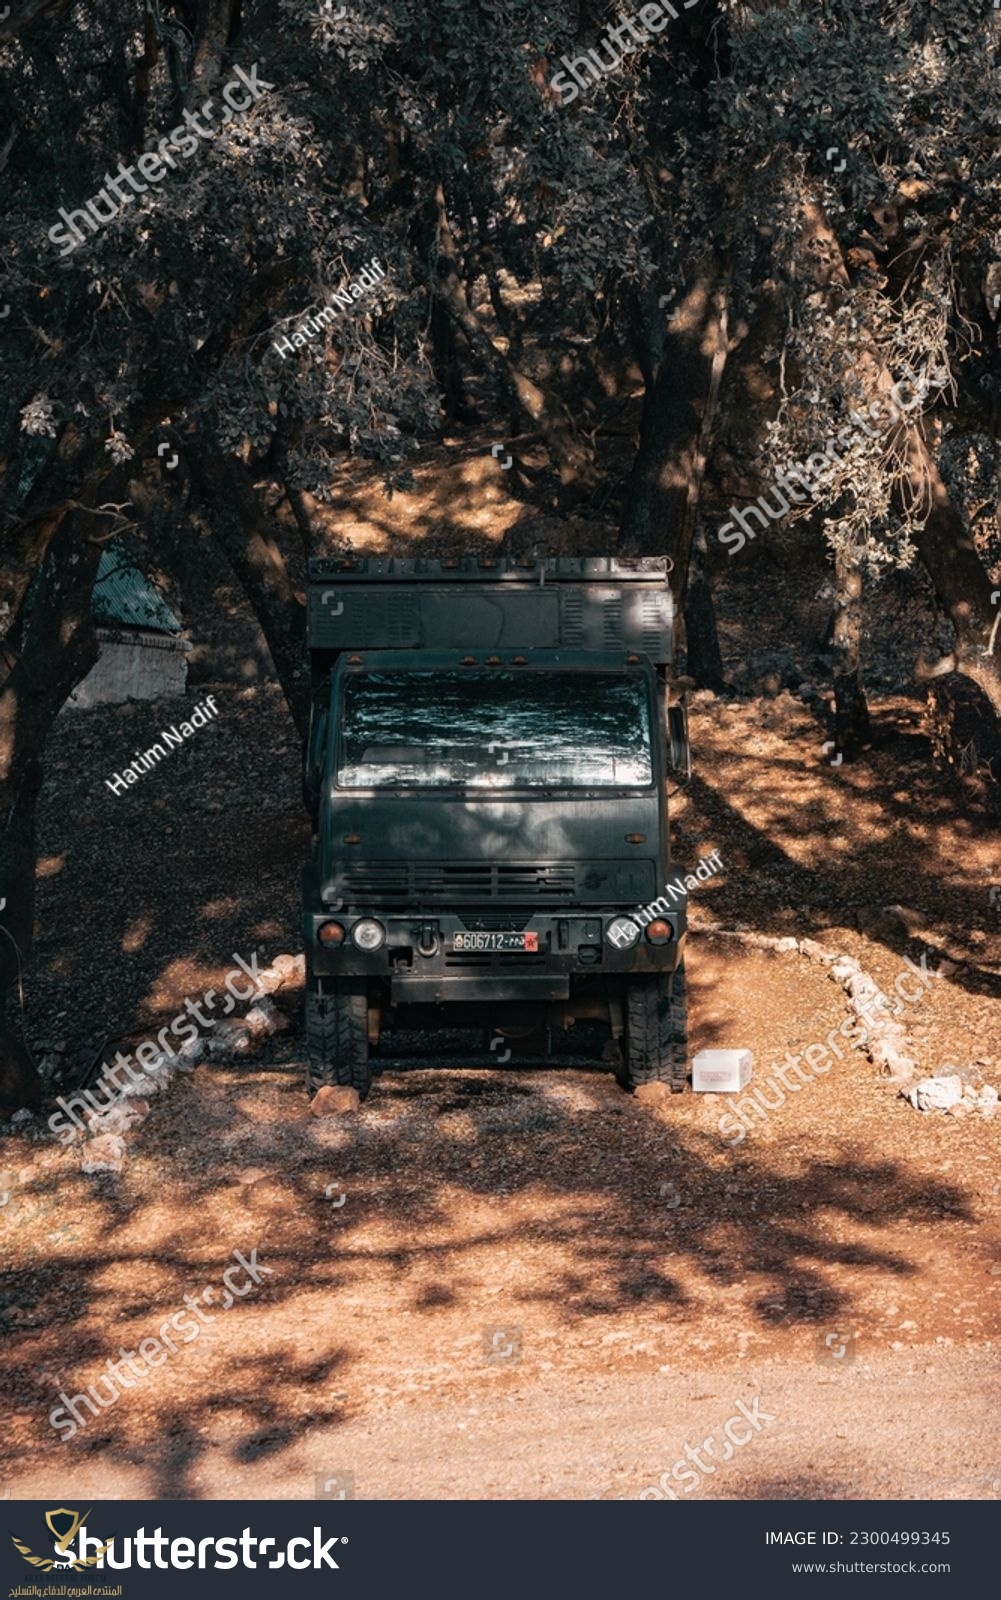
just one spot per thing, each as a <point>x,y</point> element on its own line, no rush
<point>721,1071</point>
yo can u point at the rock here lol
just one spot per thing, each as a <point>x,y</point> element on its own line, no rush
<point>862,987</point>
<point>987,1101</point>
<point>333,1100</point>
<point>908,918</point>
<point>143,1085</point>
<point>763,941</point>
<point>103,1154</point>
<point>284,970</point>
<point>230,1039</point>
<point>886,1055</point>
<point>971,1077</point>
<point>815,951</point>
<point>652,1094</point>
<point>189,1055</point>
<point>890,1032</point>
<point>290,966</point>
<point>118,1118</point>
<point>162,1067</point>
<point>935,1094</point>
<point>270,1193</point>
<point>21,1117</point>
<point>844,968</point>
<point>264,1019</point>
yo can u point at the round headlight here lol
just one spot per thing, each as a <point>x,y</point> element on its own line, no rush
<point>368,935</point>
<point>622,933</point>
<point>660,932</point>
<point>330,933</point>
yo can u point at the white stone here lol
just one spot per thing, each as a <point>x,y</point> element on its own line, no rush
<point>229,1039</point>
<point>103,1154</point>
<point>144,1085</point>
<point>118,1118</point>
<point>935,1094</point>
<point>815,951</point>
<point>189,1055</point>
<point>264,1019</point>
<point>844,968</point>
<point>884,1053</point>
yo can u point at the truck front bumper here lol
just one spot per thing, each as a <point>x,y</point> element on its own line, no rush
<point>422,958</point>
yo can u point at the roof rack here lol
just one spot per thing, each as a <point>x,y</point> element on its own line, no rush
<point>606,603</point>
<point>490,569</point>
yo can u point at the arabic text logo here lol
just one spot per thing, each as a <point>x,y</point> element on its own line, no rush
<point>64,1525</point>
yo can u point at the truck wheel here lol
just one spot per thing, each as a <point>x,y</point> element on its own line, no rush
<point>337,1037</point>
<point>656,1030</point>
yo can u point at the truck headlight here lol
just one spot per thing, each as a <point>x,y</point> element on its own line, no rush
<point>369,934</point>
<point>622,933</point>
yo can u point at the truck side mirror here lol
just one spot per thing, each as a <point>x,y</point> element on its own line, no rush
<point>312,766</point>
<point>679,755</point>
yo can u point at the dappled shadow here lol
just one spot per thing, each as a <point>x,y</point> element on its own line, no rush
<point>608,1252</point>
<point>200,861</point>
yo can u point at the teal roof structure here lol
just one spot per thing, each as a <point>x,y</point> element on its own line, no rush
<point>122,596</point>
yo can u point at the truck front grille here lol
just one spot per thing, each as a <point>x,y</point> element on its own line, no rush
<point>415,884</point>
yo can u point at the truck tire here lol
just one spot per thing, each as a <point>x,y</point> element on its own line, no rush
<point>656,1030</point>
<point>337,1037</point>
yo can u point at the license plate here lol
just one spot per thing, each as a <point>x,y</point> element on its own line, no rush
<point>495,941</point>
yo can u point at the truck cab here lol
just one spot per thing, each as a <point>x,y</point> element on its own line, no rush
<point>487,769</point>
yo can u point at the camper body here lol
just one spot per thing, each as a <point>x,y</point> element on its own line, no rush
<point>487,767</point>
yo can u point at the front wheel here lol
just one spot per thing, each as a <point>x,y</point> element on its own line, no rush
<point>656,1019</point>
<point>337,1036</point>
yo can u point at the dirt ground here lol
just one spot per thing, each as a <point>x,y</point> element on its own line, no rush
<point>514,1282</point>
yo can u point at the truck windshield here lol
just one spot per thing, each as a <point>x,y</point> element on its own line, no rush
<point>495,730</point>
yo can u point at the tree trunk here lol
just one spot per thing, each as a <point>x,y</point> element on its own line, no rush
<point>50,648</point>
<point>572,458</point>
<point>240,526</point>
<point>944,544</point>
<point>704,659</point>
<point>666,481</point>
<point>851,712</point>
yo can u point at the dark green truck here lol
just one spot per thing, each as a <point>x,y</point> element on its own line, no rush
<point>487,768</point>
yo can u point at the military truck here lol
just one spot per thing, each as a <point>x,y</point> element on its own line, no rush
<point>487,768</point>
